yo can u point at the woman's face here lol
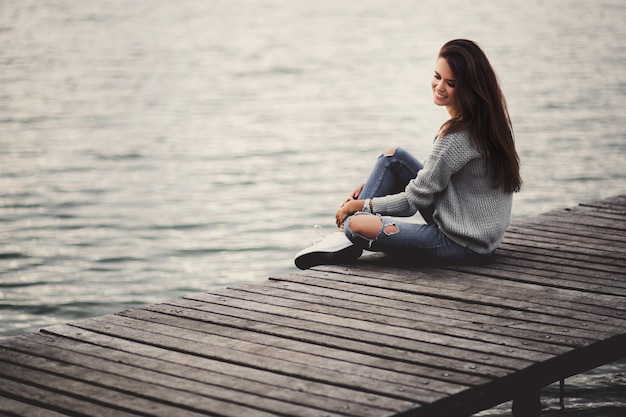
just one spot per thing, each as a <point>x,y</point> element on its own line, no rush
<point>443,85</point>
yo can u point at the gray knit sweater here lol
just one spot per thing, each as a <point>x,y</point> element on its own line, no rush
<point>455,180</point>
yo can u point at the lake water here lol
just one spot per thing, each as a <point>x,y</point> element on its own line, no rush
<point>151,149</point>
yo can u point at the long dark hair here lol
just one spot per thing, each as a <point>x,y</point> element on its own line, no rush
<point>482,110</point>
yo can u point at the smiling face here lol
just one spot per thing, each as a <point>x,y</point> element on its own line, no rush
<point>443,85</point>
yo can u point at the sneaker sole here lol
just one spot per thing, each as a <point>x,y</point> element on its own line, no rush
<point>311,259</point>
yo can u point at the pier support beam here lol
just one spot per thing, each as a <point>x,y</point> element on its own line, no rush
<point>527,404</point>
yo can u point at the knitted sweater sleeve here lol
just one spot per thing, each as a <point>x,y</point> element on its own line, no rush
<point>449,155</point>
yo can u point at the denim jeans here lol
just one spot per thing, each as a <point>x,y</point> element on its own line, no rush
<point>422,243</point>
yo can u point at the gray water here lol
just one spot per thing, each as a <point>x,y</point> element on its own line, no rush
<point>151,149</point>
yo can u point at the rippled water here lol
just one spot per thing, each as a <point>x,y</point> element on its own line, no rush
<point>150,149</point>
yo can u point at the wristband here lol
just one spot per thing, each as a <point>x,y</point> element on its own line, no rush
<point>366,206</point>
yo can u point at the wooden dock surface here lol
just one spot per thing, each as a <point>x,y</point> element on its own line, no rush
<point>369,339</point>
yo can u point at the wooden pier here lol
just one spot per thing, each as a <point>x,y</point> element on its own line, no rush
<point>369,339</point>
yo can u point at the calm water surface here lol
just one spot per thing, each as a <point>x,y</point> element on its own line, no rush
<point>153,149</point>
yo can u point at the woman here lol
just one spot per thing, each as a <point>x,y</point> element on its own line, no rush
<point>464,190</point>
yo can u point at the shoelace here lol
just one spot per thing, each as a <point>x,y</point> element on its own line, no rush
<point>321,234</point>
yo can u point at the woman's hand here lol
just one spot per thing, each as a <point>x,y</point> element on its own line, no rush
<point>355,194</point>
<point>347,209</point>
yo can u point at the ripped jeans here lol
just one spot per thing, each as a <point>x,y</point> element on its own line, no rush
<point>415,242</point>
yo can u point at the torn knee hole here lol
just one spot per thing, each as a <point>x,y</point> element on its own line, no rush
<point>389,151</point>
<point>391,229</point>
<point>367,226</point>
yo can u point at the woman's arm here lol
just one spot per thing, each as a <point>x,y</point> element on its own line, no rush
<point>349,208</point>
<point>355,194</point>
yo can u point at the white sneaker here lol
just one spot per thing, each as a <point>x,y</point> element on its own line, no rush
<point>332,249</point>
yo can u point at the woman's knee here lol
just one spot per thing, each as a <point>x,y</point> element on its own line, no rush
<point>367,226</point>
<point>390,151</point>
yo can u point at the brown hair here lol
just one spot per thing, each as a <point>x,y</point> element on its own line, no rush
<point>482,110</point>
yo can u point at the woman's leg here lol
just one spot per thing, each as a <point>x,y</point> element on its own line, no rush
<point>420,243</point>
<point>393,171</point>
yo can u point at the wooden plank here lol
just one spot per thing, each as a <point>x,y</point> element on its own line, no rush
<point>583,216</point>
<point>562,271</point>
<point>222,389</point>
<point>605,213</point>
<point>547,260</point>
<point>604,206</point>
<point>314,354</point>
<point>552,241</point>
<point>567,232</point>
<point>581,259</point>
<point>442,324</point>
<point>12,408</point>
<point>516,318</point>
<point>267,358</point>
<point>572,238</point>
<point>23,380</point>
<point>498,321</point>
<point>447,285</point>
<point>299,390</point>
<point>429,303</point>
<point>334,336</point>
<point>428,313</point>
<point>609,225</point>
<point>558,279</point>
<point>572,226</point>
<point>476,348</point>
<point>121,392</point>
<point>22,390</point>
<point>605,209</point>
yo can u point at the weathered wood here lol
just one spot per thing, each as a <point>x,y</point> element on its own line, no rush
<point>554,272</point>
<point>11,407</point>
<point>205,370</point>
<point>516,271</point>
<point>209,395</point>
<point>492,292</point>
<point>430,314</point>
<point>572,246</point>
<point>475,313</point>
<point>316,355</point>
<point>27,381</point>
<point>413,330</point>
<point>569,226</point>
<point>359,342</point>
<point>264,357</point>
<point>569,238</point>
<point>370,339</point>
